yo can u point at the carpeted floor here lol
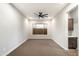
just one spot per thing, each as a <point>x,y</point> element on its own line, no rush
<point>39,47</point>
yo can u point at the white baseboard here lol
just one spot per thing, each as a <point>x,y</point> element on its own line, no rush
<point>60,45</point>
<point>78,52</point>
<point>39,38</point>
<point>14,47</point>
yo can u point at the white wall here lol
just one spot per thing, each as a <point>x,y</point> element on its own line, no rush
<point>12,28</point>
<point>60,27</point>
<point>31,36</point>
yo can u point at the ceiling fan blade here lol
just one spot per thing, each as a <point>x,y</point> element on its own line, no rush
<point>40,13</point>
<point>45,14</point>
<point>36,14</point>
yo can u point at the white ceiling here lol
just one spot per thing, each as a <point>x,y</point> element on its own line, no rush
<point>28,9</point>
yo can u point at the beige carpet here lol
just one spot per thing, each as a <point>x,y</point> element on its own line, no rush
<point>39,47</point>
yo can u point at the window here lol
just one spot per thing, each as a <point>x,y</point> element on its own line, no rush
<point>40,29</point>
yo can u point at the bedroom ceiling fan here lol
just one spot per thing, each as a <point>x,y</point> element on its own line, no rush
<point>41,15</point>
